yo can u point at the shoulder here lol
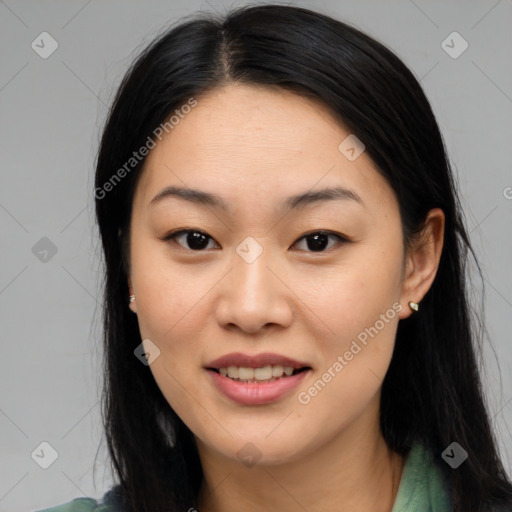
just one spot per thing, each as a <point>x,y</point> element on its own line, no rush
<point>76,505</point>
<point>108,503</point>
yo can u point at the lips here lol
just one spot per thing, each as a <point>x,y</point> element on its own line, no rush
<point>255,391</point>
<point>256,361</point>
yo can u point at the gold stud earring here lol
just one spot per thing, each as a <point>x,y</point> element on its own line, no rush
<point>413,305</point>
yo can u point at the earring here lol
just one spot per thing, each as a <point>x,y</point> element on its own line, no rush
<point>413,305</point>
<point>132,298</point>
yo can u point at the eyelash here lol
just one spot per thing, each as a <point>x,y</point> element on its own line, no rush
<point>173,235</point>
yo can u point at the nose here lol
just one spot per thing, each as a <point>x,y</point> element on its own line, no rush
<point>254,295</point>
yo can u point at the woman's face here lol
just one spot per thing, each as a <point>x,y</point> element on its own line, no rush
<point>255,283</point>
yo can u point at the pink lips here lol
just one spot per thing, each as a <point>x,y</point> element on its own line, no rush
<point>256,361</point>
<point>255,393</point>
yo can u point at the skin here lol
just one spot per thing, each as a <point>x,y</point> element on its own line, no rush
<point>195,306</point>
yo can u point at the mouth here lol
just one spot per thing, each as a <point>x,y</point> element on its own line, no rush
<point>259,389</point>
<point>256,379</point>
<point>261,375</point>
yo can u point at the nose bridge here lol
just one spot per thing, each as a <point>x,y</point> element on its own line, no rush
<point>252,279</point>
<point>252,295</point>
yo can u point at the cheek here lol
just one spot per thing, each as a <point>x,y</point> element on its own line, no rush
<point>171,309</point>
<point>355,362</point>
<point>171,312</point>
<point>166,295</point>
<point>352,294</point>
<point>358,305</point>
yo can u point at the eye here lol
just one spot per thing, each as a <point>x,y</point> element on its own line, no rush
<point>195,238</point>
<point>318,240</point>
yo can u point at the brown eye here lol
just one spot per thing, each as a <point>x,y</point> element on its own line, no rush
<point>319,240</point>
<point>196,240</point>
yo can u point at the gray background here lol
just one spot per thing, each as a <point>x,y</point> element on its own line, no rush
<point>52,111</point>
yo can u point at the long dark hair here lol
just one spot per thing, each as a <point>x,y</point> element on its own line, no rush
<point>432,391</point>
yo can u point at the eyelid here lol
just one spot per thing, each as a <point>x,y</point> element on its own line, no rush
<point>325,232</point>
<point>342,239</point>
<point>173,234</point>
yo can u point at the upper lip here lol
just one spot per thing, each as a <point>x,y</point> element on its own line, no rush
<point>256,361</point>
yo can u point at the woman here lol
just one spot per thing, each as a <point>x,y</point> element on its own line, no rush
<point>286,315</point>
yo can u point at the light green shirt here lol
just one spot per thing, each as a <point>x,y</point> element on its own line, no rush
<point>422,487</point>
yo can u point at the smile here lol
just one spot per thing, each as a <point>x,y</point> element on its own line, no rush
<point>267,373</point>
<point>254,391</point>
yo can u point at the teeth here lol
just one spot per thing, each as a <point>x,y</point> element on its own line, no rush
<point>261,374</point>
<point>277,370</point>
<point>232,372</point>
<point>245,373</point>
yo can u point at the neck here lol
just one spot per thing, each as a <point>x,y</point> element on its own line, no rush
<point>355,471</point>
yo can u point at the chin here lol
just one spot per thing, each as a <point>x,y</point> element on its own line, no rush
<point>255,447</point>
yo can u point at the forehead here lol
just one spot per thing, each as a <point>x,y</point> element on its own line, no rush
<point>246,142</point>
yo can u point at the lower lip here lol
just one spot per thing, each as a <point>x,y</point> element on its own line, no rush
<point>255,393</point>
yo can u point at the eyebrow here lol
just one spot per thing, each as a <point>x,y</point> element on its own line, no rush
<point>297,201</point>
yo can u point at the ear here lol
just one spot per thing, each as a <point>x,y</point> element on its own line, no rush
<point>131,305</point>
<point>422,261</point>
